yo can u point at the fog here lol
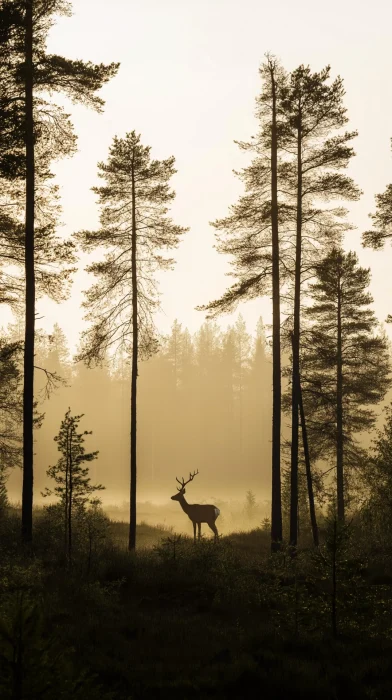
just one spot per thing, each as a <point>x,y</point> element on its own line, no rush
<point>204,403</point>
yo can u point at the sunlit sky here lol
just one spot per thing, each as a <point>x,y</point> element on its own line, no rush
<point>188,82</point>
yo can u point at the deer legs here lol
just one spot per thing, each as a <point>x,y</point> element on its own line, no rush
<point>198,530</point>
<point>214,529</point>
<point>196,512</point>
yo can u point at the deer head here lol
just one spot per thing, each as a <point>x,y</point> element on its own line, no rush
<point>183,483</point>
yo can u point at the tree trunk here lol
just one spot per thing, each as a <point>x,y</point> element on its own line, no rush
<point>66,499</point>
<point>132,519</point>
<point>28,360</point>
<point>276,506</point>
<point>70,494</point>
<point>296,340</point>
<point>70,513</point>
<point>334,580</point>
<point>339,411</point>
<point>309,480</point>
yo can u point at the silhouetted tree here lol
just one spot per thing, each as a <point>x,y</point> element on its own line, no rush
<point>250,504</point>
<point>73,484</point>
<point>313,109</point>
<point>32,71</point>
<point>4,503</point>
<point>251,236</point>
<point>242,342</point>
<point>382,221</point>
<point>174,351</point>
<point>135,228</point>
<point>345,363</point>
<point>10,404</point>
<point>376,476</point>
<point>12,151</point>
<point>308,470</point>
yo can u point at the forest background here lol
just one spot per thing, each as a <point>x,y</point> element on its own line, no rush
<point>199,129</point>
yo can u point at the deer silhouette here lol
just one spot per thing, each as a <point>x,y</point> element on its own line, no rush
<point>197,513</point>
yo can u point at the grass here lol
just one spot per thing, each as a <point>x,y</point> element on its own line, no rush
<point>190,621</point>
<point>147,535</point>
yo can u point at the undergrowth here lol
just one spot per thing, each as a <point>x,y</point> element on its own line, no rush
<point>184,620</point>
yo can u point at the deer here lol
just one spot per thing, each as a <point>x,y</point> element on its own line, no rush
<point>197,513</point>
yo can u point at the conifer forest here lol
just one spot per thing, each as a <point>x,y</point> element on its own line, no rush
<point>195,350</point>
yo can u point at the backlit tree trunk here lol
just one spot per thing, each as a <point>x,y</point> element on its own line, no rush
<point>276,509</point>
<point>339,408</point>
<point>296,341</point>
<point>28,386</point>
<point>132,518</point>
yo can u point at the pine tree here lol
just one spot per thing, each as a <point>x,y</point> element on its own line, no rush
<point>73,484</point>
<point>252,236</point>
<point>135,229</point>
<point>174,351</point>
<point>313,110</point>
<point>382,221</point>
<point>4,503</point>
<point>10,404</point>
<point>242,341</point>
<point>12,152</point>
<point>376,477</point>
<point>33,72</point>
<point>345,364</point>
<point>250,505</point>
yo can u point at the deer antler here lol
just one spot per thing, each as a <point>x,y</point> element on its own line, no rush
<point>184,483</point>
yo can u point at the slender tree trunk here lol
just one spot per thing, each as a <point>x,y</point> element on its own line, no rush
<point>339,411</point>
<point>28,360</point>
<point>70,514</point>
<point>309,480</point>
<point>296,341</point>
<point>132,520</point>
<point>66,499</point>
<point>334,580</point>
<point>240,421</point>
<point>276,505</point>
<point>70,494</point>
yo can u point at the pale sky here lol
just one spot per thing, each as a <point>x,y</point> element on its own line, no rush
<point>187,82</point>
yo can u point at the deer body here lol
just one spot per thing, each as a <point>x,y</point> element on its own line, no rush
<point>197,513</point>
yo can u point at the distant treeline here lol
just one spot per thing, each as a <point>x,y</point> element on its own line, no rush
<point>204,403</point>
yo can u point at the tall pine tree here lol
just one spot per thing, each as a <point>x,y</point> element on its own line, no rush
<point>251,235</point>
<point>135,228</point>
<point>345,365</point>
<point>33,72</point>
<point>313,110</point>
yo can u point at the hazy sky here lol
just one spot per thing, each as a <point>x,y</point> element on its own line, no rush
<point>188,82</point>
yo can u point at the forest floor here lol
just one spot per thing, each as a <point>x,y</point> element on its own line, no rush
<point>184,621</point>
